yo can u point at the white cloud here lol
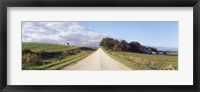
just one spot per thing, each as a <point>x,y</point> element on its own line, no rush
<point>60,32</point>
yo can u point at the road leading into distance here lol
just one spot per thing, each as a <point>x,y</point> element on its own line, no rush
<point>99,60</point>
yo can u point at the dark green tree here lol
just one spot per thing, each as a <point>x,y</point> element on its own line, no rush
<point>124,45</point>
<point>153,49</point>
<point>108,43</point>
<point>118,47</point>
<point>135,47</point>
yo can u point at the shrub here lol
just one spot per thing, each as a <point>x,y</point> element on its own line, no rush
<point>86,48</point>
<point>25,51</point>
<point>48,55</point>
<point>77,51</point>
<point>71,52</point>
<point>30,59</point>
<point>65,53</point>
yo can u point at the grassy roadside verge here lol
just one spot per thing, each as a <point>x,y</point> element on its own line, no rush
<point>44,56</point>
<point>138,61</point>
<point>124,61</point>
<point>58,64</point>
<point>69,61</point>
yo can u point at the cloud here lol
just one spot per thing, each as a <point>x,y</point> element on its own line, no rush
<point>60,33</point>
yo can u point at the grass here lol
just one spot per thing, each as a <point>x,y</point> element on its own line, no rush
<point>58,64</point>
<point>138,61</point>
<point>46,47</point>
<point>172,53</point>
<point>51,56</point>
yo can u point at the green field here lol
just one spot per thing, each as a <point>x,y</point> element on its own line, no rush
<point>172,53</point>
<point>46,47</point>
<point>43,56</point>
<point>139,61</point>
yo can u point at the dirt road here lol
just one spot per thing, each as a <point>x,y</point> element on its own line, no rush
<point>99,60</point>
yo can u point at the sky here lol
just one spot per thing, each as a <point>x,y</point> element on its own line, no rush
<point>157,34</point>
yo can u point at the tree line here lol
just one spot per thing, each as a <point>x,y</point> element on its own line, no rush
<point>122,45</point>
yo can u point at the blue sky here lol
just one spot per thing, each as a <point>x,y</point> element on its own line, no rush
<point>157,34</point>
<point>160,34</point>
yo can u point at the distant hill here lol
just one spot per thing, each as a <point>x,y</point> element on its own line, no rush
<point>167,49</point>
<point>164,48</point>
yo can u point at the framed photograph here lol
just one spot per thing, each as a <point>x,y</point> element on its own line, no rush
<point>121,45</point>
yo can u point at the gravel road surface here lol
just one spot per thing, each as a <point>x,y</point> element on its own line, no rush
<point>99,60</point>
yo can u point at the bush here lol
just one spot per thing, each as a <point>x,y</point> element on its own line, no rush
<point>71,52</point>
<point>65,53</point>
<point>76,51</point>
<point>30,59</point>
<point>25,51</point>
<point>86,48</point>
<point>47,55</point>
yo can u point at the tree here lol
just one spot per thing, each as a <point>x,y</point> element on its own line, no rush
<point>118,47</point>
<point>124,45</point>
<point>142,47</point>
<point>153,49</point>
<point>108,43</point>
<point>135,47</point>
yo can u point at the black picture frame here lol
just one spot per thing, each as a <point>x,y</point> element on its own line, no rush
<point>98,3</point>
